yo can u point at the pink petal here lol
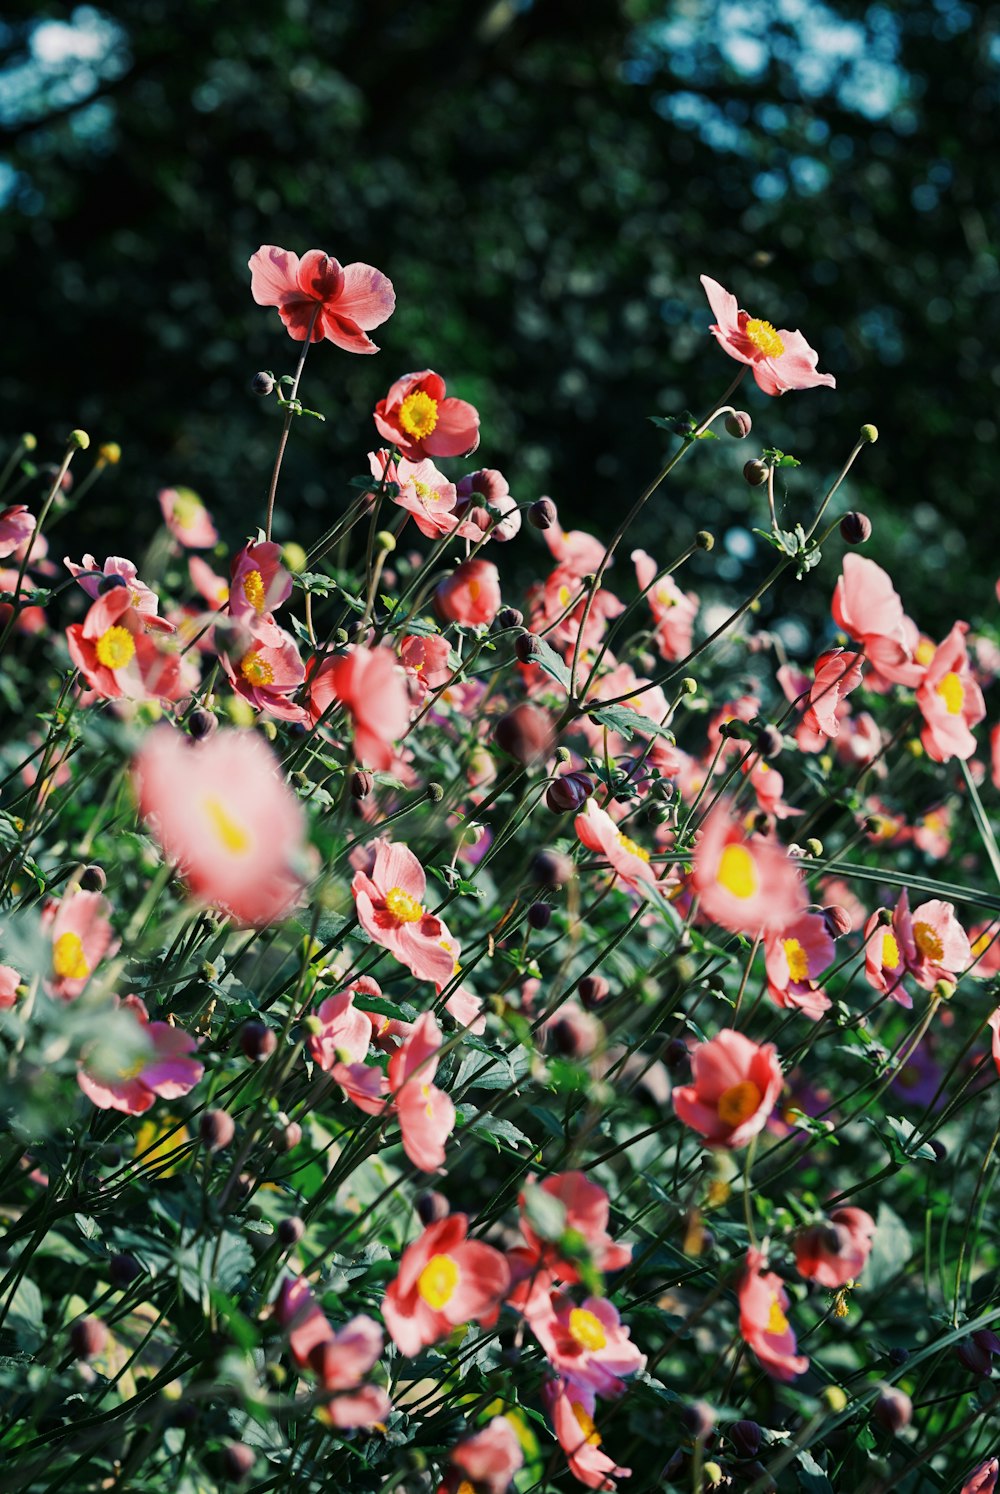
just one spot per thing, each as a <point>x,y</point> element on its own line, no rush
<point>273,273</point>
<point>367,296</point>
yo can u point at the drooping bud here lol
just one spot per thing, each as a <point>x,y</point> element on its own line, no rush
<point>525,734</point>
<point>290,1231</point>
<point>755,472</point>
<point>769,742</point>
<point>855,527</point>
<point>569,792</point>
<point>201,723</point>
<point>699,1420</point>
<point>527,647</point>
<point>543,514</point>
<point>592,990</point>
<point>745,1437</point>
<point>838,921</point>
<point>509,617</point>
<point>893,1409</point>
<point>123,1269</point>
<point>431,1206</point>
<point>110,583</point>
<point>705,539</point>
<point>93,878</point>
<point>434,792</point>
<point>217,1129</point>
<point>539,915</point>
<point>553,869</point>
<point>362,783</point>
<point>739,424</point>
<point>262,383</point>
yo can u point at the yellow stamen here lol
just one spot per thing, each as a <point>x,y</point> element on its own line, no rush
<point>798,960</point>
<point>115,648</point>
<point>738,1103</point>
<point>952,692</point>
<point>924,652</point>
<point>776,1320</point>
<point>586,1422</point>
<point>927,941</point>
<point>737,872</point>
<point>564,596</point>
<point>437,1281</point>
<point>68,959</point>
<point>134,1069</point>
<point>418,414</point>
<point>232,835</point>
<point>255,670</point>
<point>403,907</point>
<point>763,336</point>
<point>253,590</point>
<point>890,951</point>
<point>631,847</point>
<point>587,1329</point>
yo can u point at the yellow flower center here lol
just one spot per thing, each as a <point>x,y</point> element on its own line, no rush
<point>737,872</point>
<point>924,652</point>
<point>465,1487</point>
<point>418,414</point>
<point>586,1423</point>
<point>927,941</point>
<point>798,960</point>
<point>253,590</point>
<point>232,835</point>
<point>437,1281</point>
<point>115,648</point>
<point>776,1320</point>
<point>255,670</point>
<point>587,1329</point>
<point>68,959</point>
<point>890,951</point>
<point>188,507</point>
<point>763,336</point>
<point>631,847</point>
<point>952,692</point>
<point>564,596</point>
<point>738,1103</point>
<point>404,909</point>
<point>134,1069</point>
<point>664,597</point>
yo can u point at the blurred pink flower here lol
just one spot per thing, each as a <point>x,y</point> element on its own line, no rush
<point>587,1211</point>
<point>794,957</point>
<point>470,595</point>
<point>834,1252</point>
<point>17,525</point>
<point>81,935</point>
<point>780,360</point>
<point>426,1114</point>
<point>340,1360</point>
<point>347,301</point>
<point>673,610</point>
<point>763,1324</point>
<point>744,884</point>
<point>571,1410</point>
<point>489,1459</point>
<point>598,832</point>
<point>983,1478</point>
<point>867,607</point>
<point>165,1068</point>
<point>9,982</point>
<point>417,418</point>
<point>187,518</point>
<point>372,686</point>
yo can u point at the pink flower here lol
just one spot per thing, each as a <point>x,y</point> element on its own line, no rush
<point>426,494</point>
<point>571,1410</point>
<point>930,944</point>
<point>490,1458</point>
<point>342,302</point>
<point>838,672</point>
<point>763,1324</point>
<point>117,657</point>
<point>426,1114</point>
<point>9,982</point>
<point>340,1360</point>
<point>17,526</point>
<point>587,1345</point>
<point>160,1065</point>
<point>343,1033</point>
<point>269,672</point>
<point>781,360</point>
<point>81,937</point>
<point>470,595</point>
<point>794,957</point>
<point>599,833</point>
<point>577,553</point>
<point>743,884</point>
<point>142,598</point>
<point>885,952</point>
<point>586,1214</point>
<point>984,943</point>
<point>834,1253</point>
<point>187,518</point>
<point>259,583</point>
<point>736,1086</point>
<point>425,659</point>
<point>371,685</point>
<point>417,418</point>
<point>493,486</point>
<point>950,701</point>
<point>867,607</point>
<point>673,610</point>
<point>444,1281</point>
<point>390,908</point>
<point>221,810</point>
<point>983,1478</point>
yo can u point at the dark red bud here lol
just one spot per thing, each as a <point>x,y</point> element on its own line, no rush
<point>257,1041</point>
<point>525,734</point>
<point>543,514</point>
<point>569,792</point>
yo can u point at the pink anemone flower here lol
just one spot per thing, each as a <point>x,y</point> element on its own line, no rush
<point>339,1032</point>
<point>571,1410</point>
<point>221,810</point>
<point>390,909</point>
<point>470,595</point>
<point>187,518</point>
<point>744,884</point>
<point>780,360</point>
<point>161,1066</point>
<point>587,1211</point>
<point>340,1360</point>
<point>867,607</point>
<point>983,1478</point>
<point>113,651</point>
<point>259,584</point>
<point>371,685</point>
<point>588,1344</point>
<point>673,610</point>
<point>417,418</point>
<point>10,980</point>
<point>340,302</point>
<point>489,1459</point>
<point>837,673</point>
<point>598,832</point>
<point>94,580</point>
<point>81,938</point>
<point>834,1252</point>
<point>17,525</point>
<point>444,1281</point>
<point>737,1083</point>
<point>950,701</point>
<point>794,957</point>
<point>426,1114</point>
<point>763,1324</point>
<point>269,672</point>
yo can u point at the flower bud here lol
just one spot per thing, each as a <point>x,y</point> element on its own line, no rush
<point>943,990</point>
<point>385,540</point>
<point>769,742</point>
<point>745,1437</point>
<point>123,1269</point>
<point>362,783</point>
<point>755,472</point>
<point>88,1337</point>
<point>290,1231</point>
<point>431,1206</point>
<point>110,583</point>
<point>814,846</point>
<point>79,439</point>
<point>553,869</point>
<point>573,1034</point>
<point>288,1136</point>
<point>201,723</point>
<point>739,424</point>
<point>833,1398</point>
<point>257,1041</point>
<point>893,1409</point>
<point>509,617</point>
<point>699,1419</point>
<point>569,792</point>
<point>525,734</point>
<point>216,1130</point>
<point>543,514</point>
<point>359,632</point>
<point>869,433</point>
<point>539,915</point>
<point>976,1360</point>
<point>109,454</point>
<point>28,441</point>
<point>713,1474</point>
<point>262,383</point>
<point>677,1057</point>
<point>838,921</point>
<point>434,792</point>
<point>592,990</point>
<point>705,539</point>
<point>236,1461</point>
<point>294,557</point>
<point>898,1356</point>
<point>855,528</point>
<point>93,878</point>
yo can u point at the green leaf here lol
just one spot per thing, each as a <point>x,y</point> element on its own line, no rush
<point>626,722</point>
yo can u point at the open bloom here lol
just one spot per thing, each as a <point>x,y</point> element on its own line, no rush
<point>161,1065</point>
<point>838,672</point>
<point>834,1253</point>
<point>370,683</point>
<point>116,570</point>
<point>115,654</point>
<point>599,833</point>
<point>81,937</point>
<point>587,1211</point>
<point>444,1280</point>
<point>269,672</point>
<point>780,360</point>
<point>673,610</point>
<point>17,525</point>
<point>187,518</point>
<point>587,1345</point>
<point>426,1114</point>
<point>221,810</point>
<point>417,418</point>
<point>259,583</point>
<point>950,701</point>
<point>867,607</point>
<point>794,957</point>
<point>571,1410</point>
<point>763,1324</point>
<point>489,1459</point>
<point>340,302</point>
<point>390,908</point>
<point>736,1086</point>
<point>340,1360</point>
<point>930,944</point>
<point>470,595</point>
<point>340,1033</point>
<point>745,884</point>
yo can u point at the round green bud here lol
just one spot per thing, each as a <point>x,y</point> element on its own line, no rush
<point>79,439</point>
<point>869,433</point>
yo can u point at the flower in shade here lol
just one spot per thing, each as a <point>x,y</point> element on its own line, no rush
<point>763,1324</point>
<point>340,1360</point>
<point>950,701</point>
<point>736,1086</point>
<point>339,302</point>
<point>444,1281</point>
<point>10,980</point>
<point>745,884</point>
<point>585,1214</point>
<point>673,610</point>
<point>372,686</point>
<point>488,1460</point>
<point>339,1032</point>
<point>222,812</point>
<point>426,1114</point>
<point>470,595</point>
<point>114,652</point>
<point>418,418</point>
<point>81,937</point>
<point>390,908</point>
<point>780,360</point>
<point>833,1252</point>
<point>571,1410</point>
<point>983,1478</point>
<point>187,518</point>
<point>17,525</point>
<point>161,1064</point>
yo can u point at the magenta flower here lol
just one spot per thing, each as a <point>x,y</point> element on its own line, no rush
<point>763,1324</point>
<point>780,360</point>
<point>341,302</point>
<point>417,417</point>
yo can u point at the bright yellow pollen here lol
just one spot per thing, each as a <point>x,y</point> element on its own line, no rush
<point>437,1281</point>
<point>425,1090</point>
<point>403,907</point>
<point>737,872</point>
<point>763,336</point>
<point>631,847</point>
<point>924,652</point>
<point>738,1103</point>
<point>255,670</point>
<point>115,648</point>
<point>890,951</point>
<point>952,692</point>
<point>587,1329</point>
<point>465,1487</point>
<point>188,507</point>
<point>418,414</point>
<point>586,1423</point>
<point>981,944</point>
<point>564,596</point>
<point>665,598</point>
<point>253,590</point>
<point>927,941</point>
<point>68,959</point>
<point>232,835</point>
<point>798,960</point>
<point>474,589</point>
<point>776,1320</point>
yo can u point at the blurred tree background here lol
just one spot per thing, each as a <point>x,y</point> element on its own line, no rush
<point>543,182</point>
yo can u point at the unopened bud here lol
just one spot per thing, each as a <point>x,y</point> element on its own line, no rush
<point>109,454</point>
<point>288,1136</point>
<point>257,1041</point>
<point>814,846</point>
<point>202,723</point>
<point>769,742</point>
<point>553,869</point>
<point>705,539</point>
<point>217,1129</point>
<point>79,439</point>
<point>123,1269</point>
<point>745,1437</point>
<point>592,990</point>
<point>833,1398</point>
<point>290,1231</point>
<point>385,540</point>
<point>838,921</point>
<point>869,433</point>
<point>527,646</point>
<point>542,514</point>
<point>236,1461</point>
<point>755,472</point>
<point>110,583</point>
<point>525,734</point>
<point>509,617</point>
<point>28,441</point>
<point>431,1206</point>
<point>699,1419</point>
<point>893,1409</point>
<point>434,792</point>
<point>855,528</point>
<point>362,783</point>
<point>739,424</point>
<point>262,383</point>
<point>88,1338</point>
<point>93,878</point>
<point>539,916</point>
<point>713,1474</point>
<point>898,1356</point>
<point>294,557</point>
<point>943,990</point>
<point>689,686</point>
<point>677,1056</point>
<point>568,793</point>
